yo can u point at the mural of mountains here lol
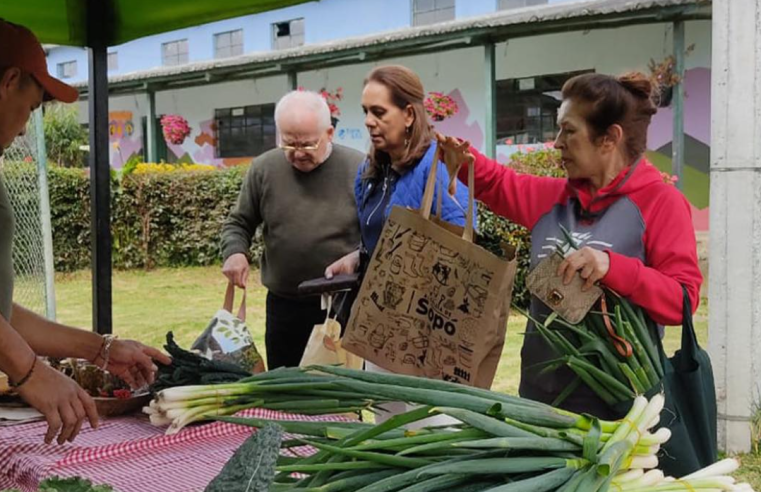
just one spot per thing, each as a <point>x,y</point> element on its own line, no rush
<point>696,172</point>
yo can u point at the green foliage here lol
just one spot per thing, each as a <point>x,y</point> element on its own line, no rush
<point>252,467</point>
<point>129,166</point>
<point>755,427</point>
<point>73,484</point>
<point>174,219</point>
<point>69,191</point>
<point>158,219</point>
<point>26,199</point>
<point>64,135</point>
<point>494,230</point>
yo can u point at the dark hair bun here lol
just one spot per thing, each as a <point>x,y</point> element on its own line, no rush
<point>638,84</point>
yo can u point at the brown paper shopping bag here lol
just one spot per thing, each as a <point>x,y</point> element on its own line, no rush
<point>432,303</point>
<point>324,345</point>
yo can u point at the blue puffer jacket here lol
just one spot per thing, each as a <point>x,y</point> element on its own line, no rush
<point>405,190</point>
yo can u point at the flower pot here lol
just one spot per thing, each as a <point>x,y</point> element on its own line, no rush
<point>664,95</point>
<point>333,121</point>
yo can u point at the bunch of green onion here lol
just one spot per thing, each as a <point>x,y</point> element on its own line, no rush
<point>288,390</point>
<point>590,352</point>
<point>588,349</point>
<point>503,443</point>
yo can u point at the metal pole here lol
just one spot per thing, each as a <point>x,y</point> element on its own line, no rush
<point>150,127</point>
<point>677,148</point>
<point>100,168</point>
<point>47,230</point>
<point>490,94</point>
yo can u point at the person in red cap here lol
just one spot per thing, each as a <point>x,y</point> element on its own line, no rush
<point>24,85</point>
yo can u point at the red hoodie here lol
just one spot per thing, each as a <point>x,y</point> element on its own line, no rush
<point>644,225</point>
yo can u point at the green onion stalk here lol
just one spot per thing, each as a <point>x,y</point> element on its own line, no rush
<point>502,443</point>
<point>595,356</point>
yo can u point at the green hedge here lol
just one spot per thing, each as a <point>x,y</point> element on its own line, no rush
<point>159,219</point>
<point>174,219</point>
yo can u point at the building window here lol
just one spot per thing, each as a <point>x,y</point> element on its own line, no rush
<point>113,61</point>
<point>516,4</point>
<point>426,12</point>
<point>245,132</point>
<point>527,109</point>
<point>67,70</point>
<point>288,34</point>
<point>227,44</point>
<point>174,53</point>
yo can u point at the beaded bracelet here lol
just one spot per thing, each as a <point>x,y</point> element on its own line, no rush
<point>105,350</point>
<point>25,378</point>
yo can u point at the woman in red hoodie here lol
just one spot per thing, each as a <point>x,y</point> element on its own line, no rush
<point>635,231</point>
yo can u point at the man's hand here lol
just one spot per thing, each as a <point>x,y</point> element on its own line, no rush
<point>236,269</point>
<point>133,362</point>
<point>454,153</point>
<point>62,401</point>
<point>592,265</point>
<point>346,265</point>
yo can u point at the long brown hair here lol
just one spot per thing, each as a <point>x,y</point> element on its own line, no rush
<point>406,89</point>
<point>626,101</point>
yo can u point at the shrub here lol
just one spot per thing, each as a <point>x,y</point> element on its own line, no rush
<point>64,135</point>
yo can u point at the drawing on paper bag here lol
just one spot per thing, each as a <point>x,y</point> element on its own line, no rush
<point>424,312</point>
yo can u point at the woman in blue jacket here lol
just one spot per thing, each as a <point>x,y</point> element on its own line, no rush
<point>403,146</point>
<point>402,150</point>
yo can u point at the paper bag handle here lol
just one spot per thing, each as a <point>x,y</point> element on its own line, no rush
<point>230,299</point>
<point>326,302</point>
<point>430,187</point>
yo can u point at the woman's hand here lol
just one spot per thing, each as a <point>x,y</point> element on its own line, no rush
<point>453,153</point>
<point>592,265</point>
<point>61,400</point>
<point>133,362</point>
<point>346,265</point>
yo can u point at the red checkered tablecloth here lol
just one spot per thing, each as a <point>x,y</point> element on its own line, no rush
<point>128,453</point>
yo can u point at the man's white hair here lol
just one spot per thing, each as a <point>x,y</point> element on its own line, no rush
<point>303,101</point>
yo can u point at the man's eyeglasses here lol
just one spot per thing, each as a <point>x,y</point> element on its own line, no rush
<point>302,148</point>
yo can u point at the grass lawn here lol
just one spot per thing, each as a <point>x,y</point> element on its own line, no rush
<point>149,304</point>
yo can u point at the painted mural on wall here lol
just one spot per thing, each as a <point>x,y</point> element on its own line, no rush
<point>124,139</point>
<point>198,147</point>
<point>697,125</point>
<point>453,115</point>
<point>697,141</point>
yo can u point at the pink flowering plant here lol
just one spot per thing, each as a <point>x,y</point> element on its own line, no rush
<point>669,178</point>
<point>439,106</point>
<point>332,98</point>
<point>175,128</point>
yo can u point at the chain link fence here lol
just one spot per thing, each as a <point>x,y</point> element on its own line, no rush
<point>26,180</point>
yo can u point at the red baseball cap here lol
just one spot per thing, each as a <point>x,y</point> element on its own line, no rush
<point>21,49</point>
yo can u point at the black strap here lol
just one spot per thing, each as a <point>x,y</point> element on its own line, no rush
<point>690,345</point>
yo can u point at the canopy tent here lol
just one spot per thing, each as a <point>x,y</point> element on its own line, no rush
<point>65,21</point>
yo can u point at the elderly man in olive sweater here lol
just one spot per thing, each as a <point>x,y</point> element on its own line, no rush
<point>302,194</point>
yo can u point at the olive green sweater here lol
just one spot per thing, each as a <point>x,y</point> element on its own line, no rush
<point>309,219</point>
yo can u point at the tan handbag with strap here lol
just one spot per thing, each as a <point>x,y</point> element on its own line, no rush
<point>570,302</point>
